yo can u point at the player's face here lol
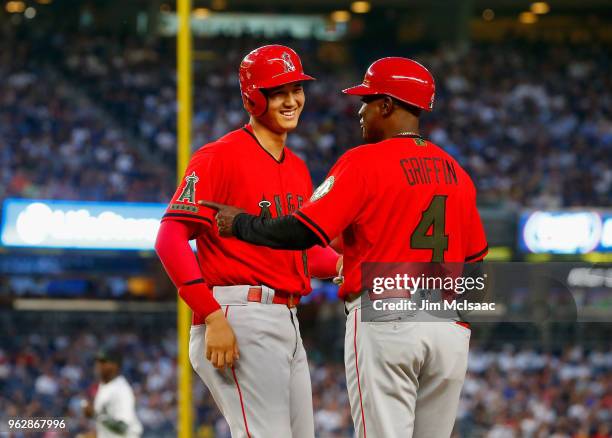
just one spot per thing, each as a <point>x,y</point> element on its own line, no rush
<point>370,118</point>
<point>285,104</point>
<point>105,370</point>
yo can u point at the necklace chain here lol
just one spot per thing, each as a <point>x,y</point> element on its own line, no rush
<point>408,133</point>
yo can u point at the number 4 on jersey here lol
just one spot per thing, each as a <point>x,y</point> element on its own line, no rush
<point>433,217</point>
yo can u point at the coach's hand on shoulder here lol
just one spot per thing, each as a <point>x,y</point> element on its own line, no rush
<point>225,216</point>
<point>220,341</point>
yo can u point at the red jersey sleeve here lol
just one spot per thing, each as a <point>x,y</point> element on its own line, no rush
<point>322,262</point>
<point>202,181</point>
<point>476,244</point>
<point>336,202</point>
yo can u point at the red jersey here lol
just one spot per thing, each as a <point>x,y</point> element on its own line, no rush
<point>400,200</point>
<point>237,170</point>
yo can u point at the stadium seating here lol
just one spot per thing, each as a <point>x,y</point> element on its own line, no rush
<point>526,140</point>
<point>508,392</point>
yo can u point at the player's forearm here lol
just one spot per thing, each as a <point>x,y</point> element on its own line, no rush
<point>174,251</point>
<point>279,233</point>
<point>172,247</point>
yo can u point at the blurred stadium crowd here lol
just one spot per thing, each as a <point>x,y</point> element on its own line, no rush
<point>93,117</point>
<point>508,392</point>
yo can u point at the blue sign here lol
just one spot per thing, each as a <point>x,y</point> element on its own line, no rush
<point>80,224</point>
<point>565,232</point>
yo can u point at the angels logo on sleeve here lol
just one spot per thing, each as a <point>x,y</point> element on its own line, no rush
<point>188,193</point>
<point>323,189</point>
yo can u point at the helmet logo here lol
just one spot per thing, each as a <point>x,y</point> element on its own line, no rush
<point>288,63</point>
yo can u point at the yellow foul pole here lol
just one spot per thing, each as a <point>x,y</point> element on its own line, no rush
<point>184,80</point>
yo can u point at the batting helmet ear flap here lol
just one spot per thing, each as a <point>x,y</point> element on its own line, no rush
<point>255,102</point>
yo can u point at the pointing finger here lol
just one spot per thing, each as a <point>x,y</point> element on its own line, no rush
<point>210,204</point>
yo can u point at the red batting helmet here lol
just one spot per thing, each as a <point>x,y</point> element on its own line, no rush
<point>268,67</point>
<point>404,79</point>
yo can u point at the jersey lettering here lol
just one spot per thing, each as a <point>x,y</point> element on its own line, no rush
<point>279,207</point>
<point>265,205</point>
<point>290,205</point>
<point>429,170</point>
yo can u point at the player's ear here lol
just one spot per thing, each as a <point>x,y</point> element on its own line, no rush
<point>386,106</point>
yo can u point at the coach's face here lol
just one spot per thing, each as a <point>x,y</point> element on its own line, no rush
<point>285,104</point>
<point>370,118</point>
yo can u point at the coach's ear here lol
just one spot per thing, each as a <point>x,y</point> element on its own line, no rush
<point>386,106</point>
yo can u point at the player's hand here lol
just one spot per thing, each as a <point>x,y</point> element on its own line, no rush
<point>339,279</point>
<point>225,216</point>
<point>220,341</point>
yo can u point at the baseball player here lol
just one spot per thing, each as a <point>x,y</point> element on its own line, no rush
<point>246,295</point>
<point>114,406</point>
<point>398,198</point>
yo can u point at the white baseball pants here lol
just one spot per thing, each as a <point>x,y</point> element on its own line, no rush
<point>268,392</point>
<point>404,378</point>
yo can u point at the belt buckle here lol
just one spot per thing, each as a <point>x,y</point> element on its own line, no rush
<point>292,301</point>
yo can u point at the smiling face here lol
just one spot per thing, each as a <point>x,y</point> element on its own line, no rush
<point>370,118</point>
<point>285,104</point>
